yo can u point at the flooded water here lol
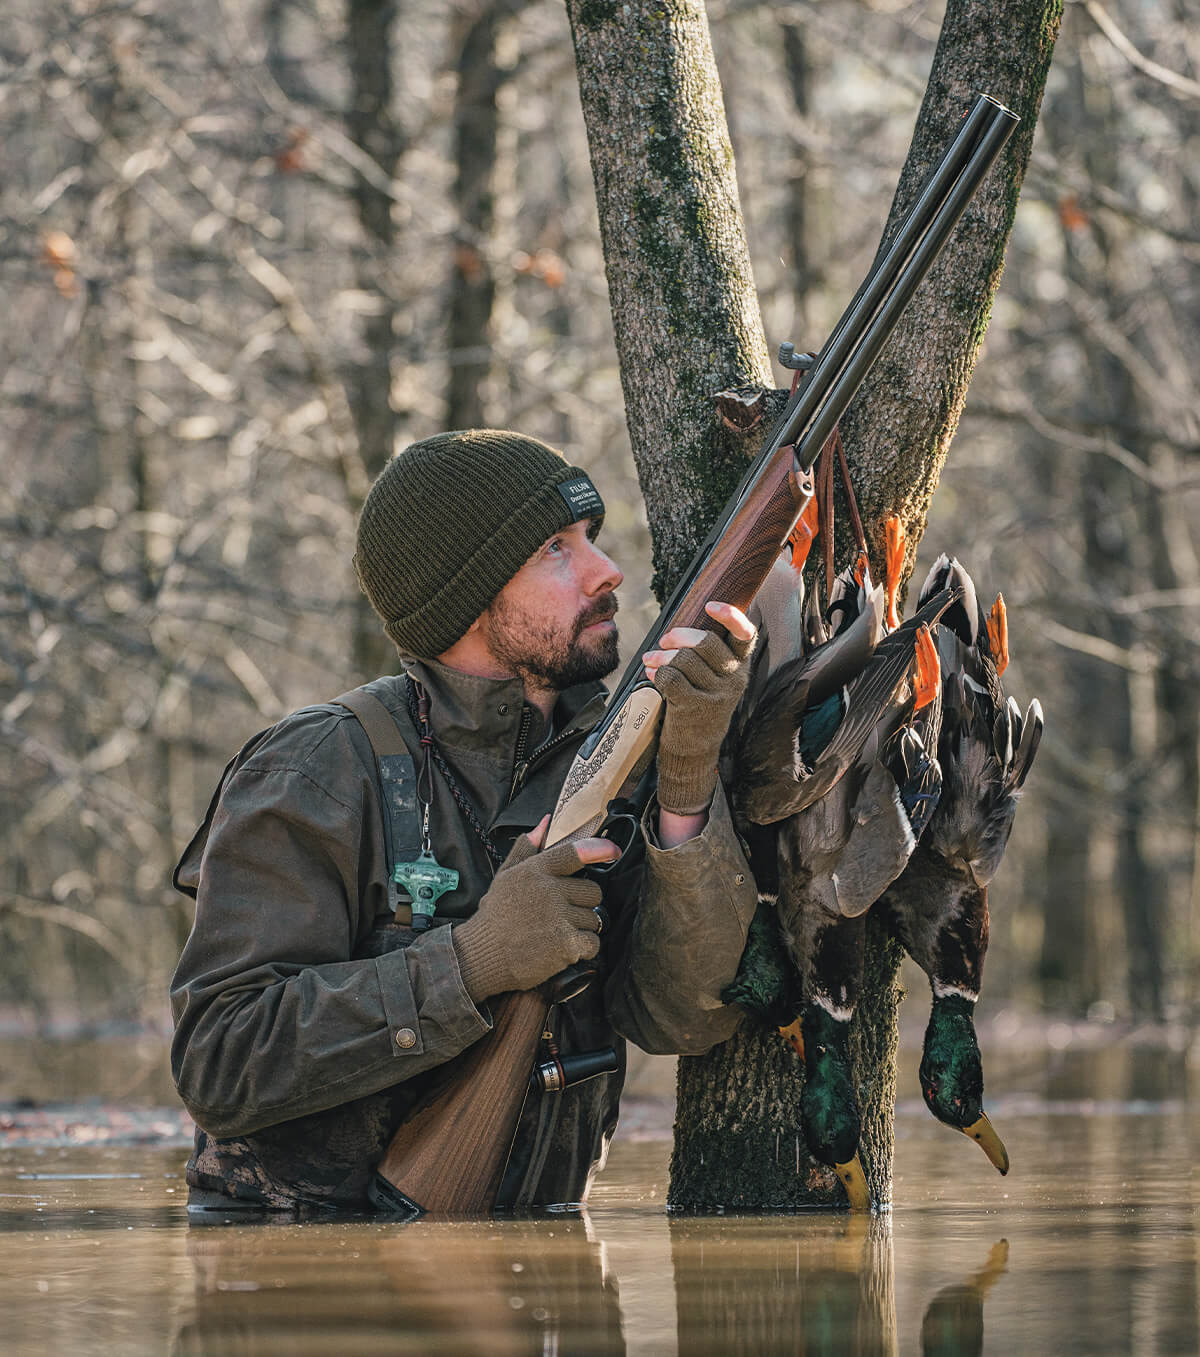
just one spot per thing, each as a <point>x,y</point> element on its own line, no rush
<point>1088,1246</point>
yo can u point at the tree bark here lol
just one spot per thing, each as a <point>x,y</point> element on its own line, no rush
<point>680,285</point>
<point>687,327</point>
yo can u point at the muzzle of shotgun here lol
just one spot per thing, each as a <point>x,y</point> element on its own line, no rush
<point>562,1071</point>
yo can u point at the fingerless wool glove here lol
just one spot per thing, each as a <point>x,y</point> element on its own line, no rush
<point>536,920</point>
<point>701,687</point>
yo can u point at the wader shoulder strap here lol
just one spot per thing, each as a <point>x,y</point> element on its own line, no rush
<point>398,788</point>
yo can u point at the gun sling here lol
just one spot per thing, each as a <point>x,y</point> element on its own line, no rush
<point>398,785</point>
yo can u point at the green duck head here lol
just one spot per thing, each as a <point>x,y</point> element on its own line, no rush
<point>952,1074</point>
<point>829,1102</point>
<point>766,983</point>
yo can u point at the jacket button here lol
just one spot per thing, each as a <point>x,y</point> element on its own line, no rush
<point>406,1037</point>
<point>502,709</point>
<point>739,879</point>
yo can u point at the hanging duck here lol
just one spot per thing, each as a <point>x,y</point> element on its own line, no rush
<point>938,906</point>
<point>808,722</point>
<point>840,854</point>
<point>844,803</point>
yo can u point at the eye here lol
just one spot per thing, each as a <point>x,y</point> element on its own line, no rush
<point>554,546</point>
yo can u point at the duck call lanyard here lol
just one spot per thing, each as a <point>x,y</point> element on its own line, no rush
<point>425,879</point>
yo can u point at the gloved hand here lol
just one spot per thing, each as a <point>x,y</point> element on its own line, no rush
<point>702,676</point>
<point>537,919</point>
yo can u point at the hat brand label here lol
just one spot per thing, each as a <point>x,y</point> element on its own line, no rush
<point>582,498</point>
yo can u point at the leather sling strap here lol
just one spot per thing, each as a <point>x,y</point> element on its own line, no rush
<point>376,720</point>
<point>398,784</point>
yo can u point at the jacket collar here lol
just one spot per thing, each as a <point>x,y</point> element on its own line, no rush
<point>484,714</point>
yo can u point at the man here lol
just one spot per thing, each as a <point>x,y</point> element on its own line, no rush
<point>310,1012</point>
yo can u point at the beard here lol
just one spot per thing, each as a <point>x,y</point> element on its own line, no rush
<point>546,656</point>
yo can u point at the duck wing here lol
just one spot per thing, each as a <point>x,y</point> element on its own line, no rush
<point>795,713</point>
<point>876,699</point>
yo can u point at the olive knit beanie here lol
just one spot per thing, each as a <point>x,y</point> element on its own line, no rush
<point>451,520</point>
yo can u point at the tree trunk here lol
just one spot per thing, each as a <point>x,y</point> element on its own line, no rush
<point>680,286</point>
<point>1069,967</point>
<point>372,126</point>
<point>898,431</point>
<point>476,186</point>
<point>1118,516</point>
<point>687,327</point>
<point>802,191</point>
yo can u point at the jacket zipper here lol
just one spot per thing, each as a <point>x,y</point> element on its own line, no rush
<point>523,768</point>
<point>520,767</point>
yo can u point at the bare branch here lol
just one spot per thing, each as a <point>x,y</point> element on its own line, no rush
<point>1108,26</point>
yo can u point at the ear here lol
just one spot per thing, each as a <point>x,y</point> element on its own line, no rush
<point>464,654</point>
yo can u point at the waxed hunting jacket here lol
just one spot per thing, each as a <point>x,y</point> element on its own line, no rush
<point>308,1020</point>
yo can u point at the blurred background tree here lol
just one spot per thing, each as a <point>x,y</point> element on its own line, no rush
<point>249,247</point>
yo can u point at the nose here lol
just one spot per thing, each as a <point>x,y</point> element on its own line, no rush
<point>600,571</point>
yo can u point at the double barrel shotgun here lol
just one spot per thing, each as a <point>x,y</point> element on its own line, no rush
<point>449,1156</point>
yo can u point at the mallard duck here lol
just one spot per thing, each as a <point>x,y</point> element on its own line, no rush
<point>808,722</point>
<point>808,986</point>
<point>835,859</point>
<point>870,788</point>
<point>938,906</point>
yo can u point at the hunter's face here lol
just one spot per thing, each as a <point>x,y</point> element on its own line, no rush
<point>552,623</point>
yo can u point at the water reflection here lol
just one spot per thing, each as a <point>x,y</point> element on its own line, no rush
<point>809,1285</point>
<point>805,1284</point>
<point>815,1287</point>
<point>506,1289</point>
<point>1100,1212</point>
<point>953,1323</point>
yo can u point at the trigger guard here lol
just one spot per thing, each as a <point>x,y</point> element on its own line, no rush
<point>570,982</point>
<point>622,830</point>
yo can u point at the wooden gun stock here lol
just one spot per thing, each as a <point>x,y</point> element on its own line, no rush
<point>449,1157</point>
